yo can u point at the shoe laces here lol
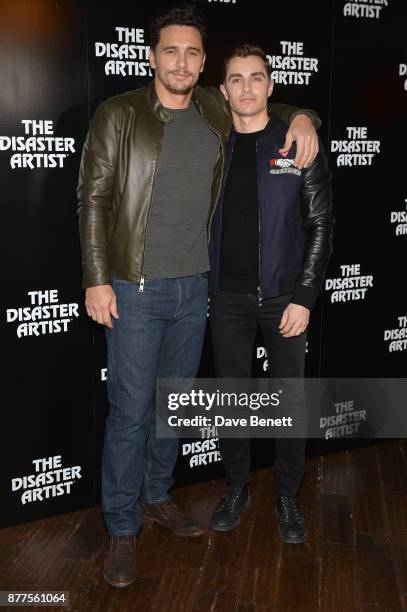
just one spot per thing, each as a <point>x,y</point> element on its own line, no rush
<point>291,510</point>
<point>231,498</point>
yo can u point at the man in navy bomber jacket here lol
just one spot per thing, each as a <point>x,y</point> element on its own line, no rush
<point>271,239</point>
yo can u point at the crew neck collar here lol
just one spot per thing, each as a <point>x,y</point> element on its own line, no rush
<point>256,134</point>
<point>179,110</point>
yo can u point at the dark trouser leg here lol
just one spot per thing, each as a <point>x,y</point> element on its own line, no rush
<point>286,360</point>
<point>179,357</point>
<point>233,330</point>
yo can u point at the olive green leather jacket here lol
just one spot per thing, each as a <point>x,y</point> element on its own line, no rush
<point>118,172</point>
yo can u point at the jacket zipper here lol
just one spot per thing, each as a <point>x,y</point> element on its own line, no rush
<point>141,285</point>
<point>218,134</point>
<point>216,198</point>
<point>259,288</point>
<point>222,186</point>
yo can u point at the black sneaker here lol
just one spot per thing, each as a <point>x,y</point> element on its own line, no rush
<point>291,521</point>
<point>227,513</point>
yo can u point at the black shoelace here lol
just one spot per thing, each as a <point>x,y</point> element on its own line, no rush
<point>229,502</point>
<point>291,511</point>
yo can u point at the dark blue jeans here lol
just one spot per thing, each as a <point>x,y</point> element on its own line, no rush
<point>159,334</point>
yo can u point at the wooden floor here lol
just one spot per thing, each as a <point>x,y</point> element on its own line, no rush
<point>355,559</point>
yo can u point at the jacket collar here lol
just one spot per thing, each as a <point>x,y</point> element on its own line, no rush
<point>214,111</point>
<point>155,104</point>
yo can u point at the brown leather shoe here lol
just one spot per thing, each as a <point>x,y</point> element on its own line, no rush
<point>120,565</point>
<point>169,516</point>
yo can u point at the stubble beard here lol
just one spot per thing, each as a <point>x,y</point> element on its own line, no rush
<point>180,89</point>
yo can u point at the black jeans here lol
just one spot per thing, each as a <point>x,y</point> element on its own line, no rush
<point>234,320</point>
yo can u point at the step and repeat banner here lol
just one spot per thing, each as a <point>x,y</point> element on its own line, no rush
<point>60,59</point>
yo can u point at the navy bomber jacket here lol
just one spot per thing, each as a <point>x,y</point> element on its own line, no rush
<point>296,220</point>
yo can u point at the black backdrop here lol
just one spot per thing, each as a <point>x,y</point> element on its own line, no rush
<point>57,63</point>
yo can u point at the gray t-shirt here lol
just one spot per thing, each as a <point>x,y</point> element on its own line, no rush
<point>176,242</point>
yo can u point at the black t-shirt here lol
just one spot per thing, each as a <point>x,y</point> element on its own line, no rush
<point>239,251</point>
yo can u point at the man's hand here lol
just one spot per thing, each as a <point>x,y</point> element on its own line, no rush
<point>294,320</point>
<point>100,303</point>
<point>302,131</point>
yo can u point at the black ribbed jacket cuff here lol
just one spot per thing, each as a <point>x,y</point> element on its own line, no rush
<point>304,296</point>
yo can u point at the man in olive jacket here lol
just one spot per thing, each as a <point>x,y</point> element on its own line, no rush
<point>149,180</point>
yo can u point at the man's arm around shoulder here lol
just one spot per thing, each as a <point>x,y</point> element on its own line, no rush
<point>303,123</point>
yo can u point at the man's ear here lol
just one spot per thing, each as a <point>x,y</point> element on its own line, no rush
<point>223,90</point>
<point>270,89</point>
<point>151,59</point>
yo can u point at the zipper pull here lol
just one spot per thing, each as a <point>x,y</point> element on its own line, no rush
<point>141,288</point>
<point>260,296</point>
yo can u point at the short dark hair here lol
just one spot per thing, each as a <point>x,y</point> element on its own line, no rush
<point>244,51</point>
<point>181,14</point>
